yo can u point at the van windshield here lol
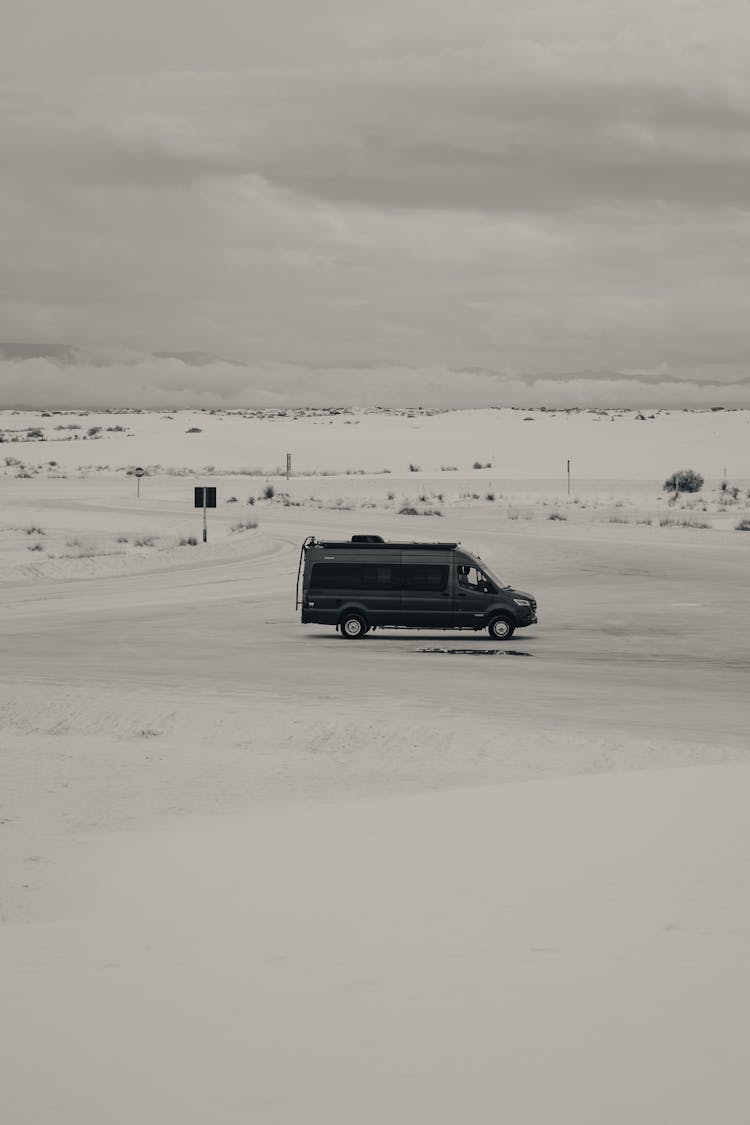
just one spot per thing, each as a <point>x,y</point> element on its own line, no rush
<point>499,582</point>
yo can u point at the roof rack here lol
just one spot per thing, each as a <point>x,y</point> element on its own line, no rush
<point>381,545</point>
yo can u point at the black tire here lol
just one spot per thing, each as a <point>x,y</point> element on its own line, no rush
<point>501,628</point>
<point>353,626</point>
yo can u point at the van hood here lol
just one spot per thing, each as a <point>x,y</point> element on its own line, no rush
<point>520,594</point>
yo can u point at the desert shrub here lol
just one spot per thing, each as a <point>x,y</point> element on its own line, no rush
<point>269,492</point>
<point>490,496</point>
<point>667,521</point>
<point>391,495</point>
<point>695,523</point>
<point>34,433</point>
<point>194,430</point>
<point>647,522</point>
<point>449,468</point>
<point>477,465</point>
<point>122,539</point>
<point>474,495</point>
<point>684,480</point>
<point>557,516</point>
<point>432,512</point>
<point>191,541</point>
<point>423,498</point>
<point>34,530</point>
<point>115,429</point>
<point>251,500</point>
<point>232,500</point>
<point>36,547</point>
<point>243,525</point>
<point>413,468</point>
<point>407,510</point>
<point>93,431</point>
<point>11,462</point>
<point>512,514</point>
<point>743,525</point>
<point>616,518</point>
<point>144,541</point>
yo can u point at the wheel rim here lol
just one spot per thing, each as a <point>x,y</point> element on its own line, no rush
<point>352,627</point>
<point>500,629</point>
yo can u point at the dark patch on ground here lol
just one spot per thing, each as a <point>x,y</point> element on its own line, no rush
<point>477,651</point>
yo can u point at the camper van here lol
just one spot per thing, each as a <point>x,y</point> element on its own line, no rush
<point>367,583</point>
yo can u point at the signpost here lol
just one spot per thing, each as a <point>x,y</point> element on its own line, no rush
<point>138,473</point>
<point>288,465</point>
<point>568,479</point>
<point>205,498</point>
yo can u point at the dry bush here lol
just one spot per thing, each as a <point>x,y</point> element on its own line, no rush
<point>684,480</point>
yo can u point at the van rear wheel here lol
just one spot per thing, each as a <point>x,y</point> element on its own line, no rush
<point>500,628</point>
<point>353,626</point>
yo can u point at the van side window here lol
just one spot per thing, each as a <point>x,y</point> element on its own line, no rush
<point>469,578</point>
<point>425,577</point>
<point>354,576</point>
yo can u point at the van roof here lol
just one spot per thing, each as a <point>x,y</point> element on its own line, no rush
<point>347,544</point>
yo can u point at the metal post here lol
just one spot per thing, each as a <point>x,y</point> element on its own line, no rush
<point>138,493</point>
<point>288,465</point>
<point>568,479</point>
<point>205,526</point>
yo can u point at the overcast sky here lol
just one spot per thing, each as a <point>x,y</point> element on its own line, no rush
<point>409,200</point>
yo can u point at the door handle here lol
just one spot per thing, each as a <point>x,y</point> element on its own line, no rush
<point>462,595</point>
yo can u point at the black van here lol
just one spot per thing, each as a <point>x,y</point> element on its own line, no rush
<point>367,583</point>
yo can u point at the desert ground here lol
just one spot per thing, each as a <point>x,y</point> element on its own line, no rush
<point>252,871</point>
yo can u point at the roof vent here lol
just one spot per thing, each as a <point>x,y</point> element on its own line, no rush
<point>368,539</point>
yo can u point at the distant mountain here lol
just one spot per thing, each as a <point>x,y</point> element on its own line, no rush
<point>63,353</point>
<point>199,359</point>
<point>70,354</point>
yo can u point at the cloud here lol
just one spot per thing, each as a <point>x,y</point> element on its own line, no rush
<point>171,382</point>
<point>542,187</point>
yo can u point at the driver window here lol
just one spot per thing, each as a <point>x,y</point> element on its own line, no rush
<point>469,578</point>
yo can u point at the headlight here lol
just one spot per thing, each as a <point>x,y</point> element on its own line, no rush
<point>522,601</point>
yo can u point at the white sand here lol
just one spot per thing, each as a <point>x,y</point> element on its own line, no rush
<point>253,872</point>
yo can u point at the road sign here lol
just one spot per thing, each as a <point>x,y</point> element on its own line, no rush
<point>205,498</point>
<point>138,473</point>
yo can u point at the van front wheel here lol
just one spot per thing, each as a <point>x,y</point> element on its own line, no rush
<point>353,626</point>
<point>500,628</point>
